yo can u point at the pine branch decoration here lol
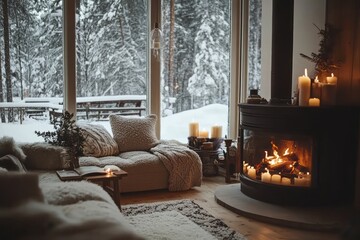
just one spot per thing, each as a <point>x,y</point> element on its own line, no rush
<point>322,59</point>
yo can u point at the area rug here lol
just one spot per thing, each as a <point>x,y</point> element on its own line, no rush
<point>179,219</point>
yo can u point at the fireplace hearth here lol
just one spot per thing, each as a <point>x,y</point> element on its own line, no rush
<point>298,155</point>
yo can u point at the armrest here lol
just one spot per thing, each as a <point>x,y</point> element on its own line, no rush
<point>44,156</point>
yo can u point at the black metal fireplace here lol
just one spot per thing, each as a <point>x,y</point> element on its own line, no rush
<point>298,155</point>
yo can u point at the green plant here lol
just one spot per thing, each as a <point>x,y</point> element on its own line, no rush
<point>67,135</point>
<point>322,59</point>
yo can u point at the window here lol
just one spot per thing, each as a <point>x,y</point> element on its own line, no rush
<point>195,66</point>
<point>113,60</point>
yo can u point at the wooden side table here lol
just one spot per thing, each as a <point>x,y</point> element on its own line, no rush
<point>105,180</point>
<point>109,181</point>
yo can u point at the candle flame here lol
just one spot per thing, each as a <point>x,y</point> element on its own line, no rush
<point>316,79</point>
<point>332,74</point>
<point>306,72</point>
<point>108,170</point>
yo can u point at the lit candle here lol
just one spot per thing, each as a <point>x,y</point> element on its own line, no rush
<point>285,181</point>
<point>304,83</point>
<point>245,165</point>
<point>252,172</point>
<point>316,88</point>
<point>216,131</point>
<point>314,102</point>
<point>108,171</point>
<point>266,177</point>
<point>193,129</point>
<point>276,178</point>
<point>331,79</point>
<point>204,133</point>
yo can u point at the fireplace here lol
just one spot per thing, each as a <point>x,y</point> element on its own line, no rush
<point>298,155</point>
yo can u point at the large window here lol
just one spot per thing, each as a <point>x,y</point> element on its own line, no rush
<point>195,66</point>
<point>113,63</point>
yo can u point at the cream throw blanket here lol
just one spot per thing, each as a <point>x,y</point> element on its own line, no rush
<point>184,165</point>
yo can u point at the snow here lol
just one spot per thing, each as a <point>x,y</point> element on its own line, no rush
<point>172,127</point>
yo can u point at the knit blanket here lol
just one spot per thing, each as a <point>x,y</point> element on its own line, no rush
<point>183,164</point>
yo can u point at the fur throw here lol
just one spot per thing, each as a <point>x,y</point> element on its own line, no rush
<point>41,221</point>
<point>8,146</point>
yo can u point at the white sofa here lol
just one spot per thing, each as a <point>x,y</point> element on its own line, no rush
<point>151,164</point>
<point>51,209</point>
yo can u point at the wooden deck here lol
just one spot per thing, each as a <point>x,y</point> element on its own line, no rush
<point>90,108</point>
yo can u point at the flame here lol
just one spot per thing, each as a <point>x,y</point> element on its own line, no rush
<point>276,158</point>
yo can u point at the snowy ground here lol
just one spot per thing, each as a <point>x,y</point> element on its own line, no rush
<point>175,126</point>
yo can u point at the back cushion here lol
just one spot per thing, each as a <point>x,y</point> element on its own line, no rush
<point>134,133</point>
<point>98,141</point>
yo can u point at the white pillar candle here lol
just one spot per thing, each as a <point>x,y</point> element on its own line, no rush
<point>266,177</point>
<point>216,131</point>
<point>252,172</point>
<point>314,102</point>
<point>245,165</point>
<point>331,79</point>
<point>285,181</point>
<point>304,84</point>
<point>276,179</point>
<point>193,129</point>
<point>203,133</point>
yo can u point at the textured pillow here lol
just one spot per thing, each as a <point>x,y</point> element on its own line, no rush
<point>134,133</point>
<point>98,141</point>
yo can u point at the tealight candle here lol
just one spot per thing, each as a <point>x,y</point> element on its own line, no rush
<point>314,102</point>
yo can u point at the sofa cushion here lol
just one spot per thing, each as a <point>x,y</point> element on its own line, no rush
<point>98,141</point>
<point>12,163</point>
<point>134,133</point>
<point>44,156</point>
<point>8,146</point>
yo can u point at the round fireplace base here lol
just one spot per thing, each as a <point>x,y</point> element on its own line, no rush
<point>311,218</point>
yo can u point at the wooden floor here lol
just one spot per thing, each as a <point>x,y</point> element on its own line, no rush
<point>204,196</point>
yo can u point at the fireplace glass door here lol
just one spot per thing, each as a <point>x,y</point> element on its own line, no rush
<point>277,159</point>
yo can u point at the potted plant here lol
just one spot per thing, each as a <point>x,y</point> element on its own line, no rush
<point>67,135</point>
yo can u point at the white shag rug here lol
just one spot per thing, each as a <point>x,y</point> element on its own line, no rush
<point>177,220</point>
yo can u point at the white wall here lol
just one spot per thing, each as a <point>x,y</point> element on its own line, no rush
<point>306,37</point>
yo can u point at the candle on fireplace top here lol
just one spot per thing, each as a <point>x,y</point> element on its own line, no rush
<point>331,79</point>
<point>314,102</point>
<point>316,88</point>
<point>304,83</point>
